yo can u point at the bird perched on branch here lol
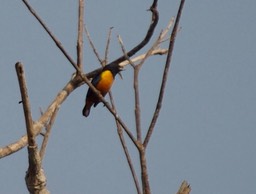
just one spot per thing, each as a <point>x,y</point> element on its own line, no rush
<point>102,82</point>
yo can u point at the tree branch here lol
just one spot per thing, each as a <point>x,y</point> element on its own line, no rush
<point>123,143</point>
<point>142,56</point>
<point>26,105</point>
<point>35,178</point>
<point>57,42</point>
<point>92,45</point>
<point>120,131</point>
<point>136,69</point>
<point>107,45</point>
<point>47,134</point>
<point>165,76</point>
<point>80,41</point>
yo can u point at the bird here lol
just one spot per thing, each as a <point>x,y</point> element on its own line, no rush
<point>102,82</point>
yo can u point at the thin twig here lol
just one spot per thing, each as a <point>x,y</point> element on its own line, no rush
<point>107,45</point>
<point>47,133</point>
<point>165,76</point>
<point>120,131</point>
<point>57,42</point>
<point>128,157</point>
<point>123,143</point>
<point>80,34</point>
<point>136,90</point>
<point>26,105</point>
<point>92,45</point>
<point>156,44</point>
<point>144,172</point>
<point>142,56</point>
<point>137,102</point>
<point>141,150</point>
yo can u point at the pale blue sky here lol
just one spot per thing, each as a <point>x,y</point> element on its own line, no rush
<point>206,130</point>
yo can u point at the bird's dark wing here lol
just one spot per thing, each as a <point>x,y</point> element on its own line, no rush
<point>96,80</point>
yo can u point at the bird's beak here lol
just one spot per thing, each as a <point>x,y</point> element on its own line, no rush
<point>119,73</point>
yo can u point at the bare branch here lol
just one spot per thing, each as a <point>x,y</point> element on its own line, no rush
<point>141,57</point>
<point>136,69</point>
<point>166,30</point>
<point>128,59</point>
<point>156,44</point>
<point>144,172</point>
<point>123,143</point>
<point>26,105</point>
<point>92,45</point>
<point>57,42</point>
<point>107,45</point>
<point>47,133</point>
<point>137,102</point>
<point>128,157</point>
<point>14,147</point>
<point>165,75</point>
<point>80,41</point>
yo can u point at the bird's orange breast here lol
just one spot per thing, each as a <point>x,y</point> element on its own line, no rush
<point>105,82</point>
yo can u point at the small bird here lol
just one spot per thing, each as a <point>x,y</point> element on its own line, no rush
<point>102,82</point>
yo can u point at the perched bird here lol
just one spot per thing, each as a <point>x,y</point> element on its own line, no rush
<point>102,82</point>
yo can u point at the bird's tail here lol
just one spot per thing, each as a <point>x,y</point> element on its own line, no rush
<point>86,110</point>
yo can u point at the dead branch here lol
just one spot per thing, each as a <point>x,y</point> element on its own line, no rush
<point>80,36</point>
<point>124,146</point>
<point>47,133</point>
<point>165,75</point>
<point>143,161</point>
<point>25,102</point>
<point>142,56</point>
<point>57,42</point>
<point>144,171</point>
<point>120,131</point>
<point>92,46</point>
<point>35,178</point>
<point>107,46</point>
<point>136,90</point>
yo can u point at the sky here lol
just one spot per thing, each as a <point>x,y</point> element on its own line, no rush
<point>206,130</point>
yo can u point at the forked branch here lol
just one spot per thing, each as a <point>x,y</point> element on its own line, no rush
<point>80,36</point>
<point>35,178</point>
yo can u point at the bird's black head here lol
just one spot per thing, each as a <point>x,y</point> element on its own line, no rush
<point>114,68</point>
